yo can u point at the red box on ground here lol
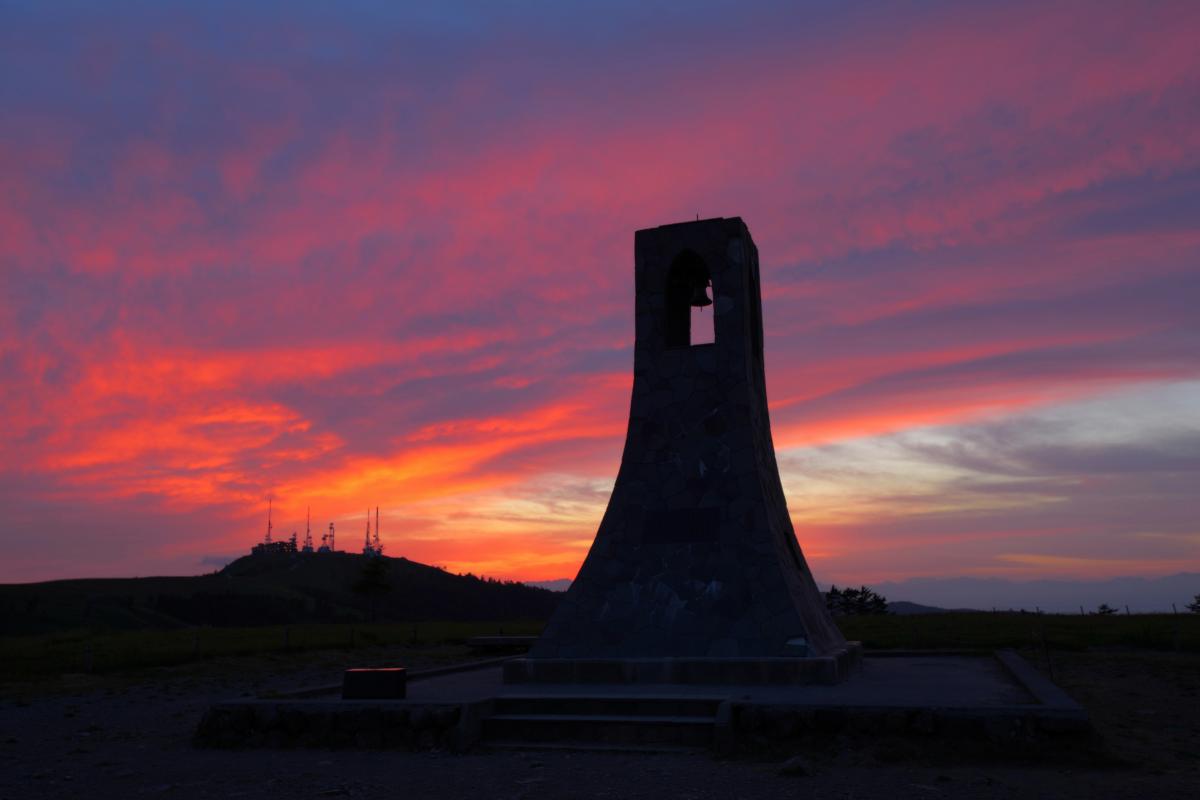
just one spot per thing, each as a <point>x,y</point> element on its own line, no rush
<point>374,683</point>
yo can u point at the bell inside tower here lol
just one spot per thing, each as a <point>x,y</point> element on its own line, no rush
<point>687,298</point>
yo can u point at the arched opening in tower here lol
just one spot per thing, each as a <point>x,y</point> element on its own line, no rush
<point>689,318</point>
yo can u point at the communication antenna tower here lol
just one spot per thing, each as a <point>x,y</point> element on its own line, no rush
<point>332,546</point>
<point>268,539</point>
<point>378,544</point>
<point>308,545</point>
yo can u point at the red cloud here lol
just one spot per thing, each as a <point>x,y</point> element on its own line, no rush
<point>424,296</point>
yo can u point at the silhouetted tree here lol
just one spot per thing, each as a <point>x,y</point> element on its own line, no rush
<point>1105,609</point>
<point>373,583</point>
<point>832,598</point>
<point>1194,606</point>
<point>860,601</point>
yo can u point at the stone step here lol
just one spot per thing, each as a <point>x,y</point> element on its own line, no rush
<point>599,729</point>
<point>594,747</point>
<point>607,705</point>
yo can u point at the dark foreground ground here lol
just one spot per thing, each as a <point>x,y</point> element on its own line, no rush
<point>129,736</point>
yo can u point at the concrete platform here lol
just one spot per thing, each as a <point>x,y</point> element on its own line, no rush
<point>788,671</point>
<point>961,681</point>
<point>996,700</point>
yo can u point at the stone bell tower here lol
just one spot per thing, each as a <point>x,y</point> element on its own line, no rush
<point>695,574</point>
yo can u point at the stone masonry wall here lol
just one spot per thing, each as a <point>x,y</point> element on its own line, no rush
<point>695,555</point>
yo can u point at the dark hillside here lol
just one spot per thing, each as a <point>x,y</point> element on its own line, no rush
<point>271,589</point>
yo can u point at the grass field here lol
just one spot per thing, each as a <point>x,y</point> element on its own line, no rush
<point>990,631</point>
<point>95,651</point>
<point>26,658</point>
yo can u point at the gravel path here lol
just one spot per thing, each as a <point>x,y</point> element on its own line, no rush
<point>130,737</point>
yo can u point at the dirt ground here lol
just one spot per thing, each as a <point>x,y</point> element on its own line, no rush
<point>129,736</point>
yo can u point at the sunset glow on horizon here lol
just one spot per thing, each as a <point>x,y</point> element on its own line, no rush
<point>380,254</point>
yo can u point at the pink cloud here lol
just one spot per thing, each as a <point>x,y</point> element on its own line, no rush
<point>262,282</point>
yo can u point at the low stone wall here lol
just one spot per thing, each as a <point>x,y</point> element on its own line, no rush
<point>750,727</point>
<point>337,724</point>
<point>829,669</point>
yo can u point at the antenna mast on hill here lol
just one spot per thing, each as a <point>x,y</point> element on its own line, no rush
<point>308,545</point>
<point>378,544</point>
<point>268,539</point>
<point>332,546</point>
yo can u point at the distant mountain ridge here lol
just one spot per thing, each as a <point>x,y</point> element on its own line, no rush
<point>1142,595</point>
<point>903,607</point>
<point>269,589</point>
<point>556,585</point>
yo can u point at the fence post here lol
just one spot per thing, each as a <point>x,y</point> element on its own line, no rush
<point>1046,651</point>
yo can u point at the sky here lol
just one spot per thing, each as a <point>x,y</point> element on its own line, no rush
<point>358,254</point>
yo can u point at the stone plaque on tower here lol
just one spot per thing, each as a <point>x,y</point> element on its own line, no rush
<point>695,574</point>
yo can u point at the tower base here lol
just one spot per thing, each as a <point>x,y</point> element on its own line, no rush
<point>695,575</point>
<point>828,669</point>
